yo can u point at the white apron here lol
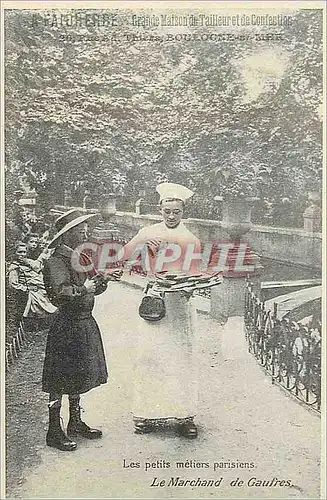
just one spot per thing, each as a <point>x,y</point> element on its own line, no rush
<point>165,382</point>
<point>165,376</point>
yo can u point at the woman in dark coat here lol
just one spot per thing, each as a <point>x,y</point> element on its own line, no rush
<point>74,361</point>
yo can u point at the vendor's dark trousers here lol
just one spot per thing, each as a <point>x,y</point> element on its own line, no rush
<point>56,437</point>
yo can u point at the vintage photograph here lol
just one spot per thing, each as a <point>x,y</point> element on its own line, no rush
<point>163,250</point>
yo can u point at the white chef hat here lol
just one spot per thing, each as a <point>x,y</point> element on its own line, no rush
<point>169,190</point>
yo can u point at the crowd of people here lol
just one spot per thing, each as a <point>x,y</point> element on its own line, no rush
<point>27,303</point>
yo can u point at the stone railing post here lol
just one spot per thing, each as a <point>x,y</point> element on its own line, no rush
<point>68,197</point>
<point>312,219</point>
<point>228,299</point>
<point>139,205</point>
<point>87,200</point>
<point>106,230</point>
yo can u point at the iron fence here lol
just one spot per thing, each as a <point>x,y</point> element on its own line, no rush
<point>289,351</point>
<point>15,345</point>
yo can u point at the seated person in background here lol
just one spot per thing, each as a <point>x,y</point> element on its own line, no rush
<point>37,250</point>
<point>17,285</point>
<point>29,272</point>
<point>32,244</point>
<point>24,222</point>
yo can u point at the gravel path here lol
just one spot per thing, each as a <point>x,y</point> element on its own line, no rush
<point>242,419</point>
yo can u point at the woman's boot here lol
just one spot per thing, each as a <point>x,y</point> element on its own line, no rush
<point>56,438</point>
<point>76,427</point>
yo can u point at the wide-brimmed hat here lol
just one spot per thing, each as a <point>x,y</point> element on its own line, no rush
<point>64,218</point>
<point>67,221</point>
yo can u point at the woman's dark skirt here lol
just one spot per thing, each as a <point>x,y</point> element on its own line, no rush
<point>74,359</point>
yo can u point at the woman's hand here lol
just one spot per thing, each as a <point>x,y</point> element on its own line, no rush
<point>89,285</point>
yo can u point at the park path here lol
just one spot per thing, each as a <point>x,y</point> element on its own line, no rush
<point>242,417</point>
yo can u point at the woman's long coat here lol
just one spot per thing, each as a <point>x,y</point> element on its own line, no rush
<point>74,360</point>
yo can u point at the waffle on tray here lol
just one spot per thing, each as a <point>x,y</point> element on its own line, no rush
<point>168,282</point>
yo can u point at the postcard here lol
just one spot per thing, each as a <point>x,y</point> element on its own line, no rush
<point>163,250</point>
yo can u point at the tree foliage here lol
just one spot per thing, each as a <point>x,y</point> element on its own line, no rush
<point>121,115</point>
